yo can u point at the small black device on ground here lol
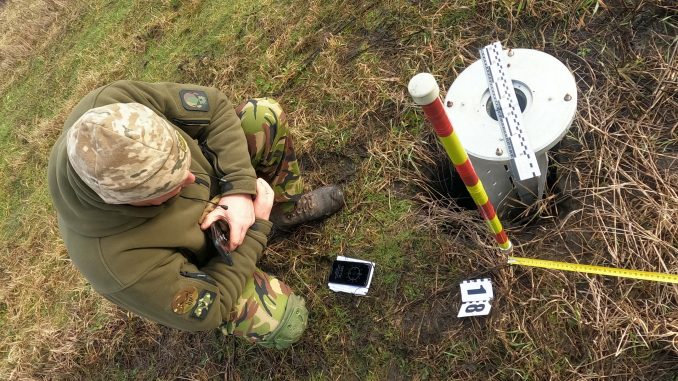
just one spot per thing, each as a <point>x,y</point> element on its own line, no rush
<point>350,273</point>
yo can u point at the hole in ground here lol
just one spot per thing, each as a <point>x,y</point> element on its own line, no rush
<point>522,103</point>
<point>444,181</point>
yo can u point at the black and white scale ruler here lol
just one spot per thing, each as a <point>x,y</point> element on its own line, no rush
<point>523,162</point>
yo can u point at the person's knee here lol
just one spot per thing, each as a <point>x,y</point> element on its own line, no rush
<point>272,105</point>
<point>257,114</point>
<point>268,313</point>
<point>291,326</point>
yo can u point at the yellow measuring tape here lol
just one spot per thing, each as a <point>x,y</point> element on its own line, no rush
<point>612,271</point>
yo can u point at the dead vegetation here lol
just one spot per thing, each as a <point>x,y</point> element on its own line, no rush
<point>26,25</point>
<point>341,70</point>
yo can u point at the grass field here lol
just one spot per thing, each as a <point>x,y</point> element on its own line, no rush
<point>340,69</point>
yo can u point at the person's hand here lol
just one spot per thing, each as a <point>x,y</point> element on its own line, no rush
<point>263,203</point>
<point>209,207</point>
<point>239,216</point>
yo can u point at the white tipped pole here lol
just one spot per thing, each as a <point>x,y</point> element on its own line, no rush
<point>424,91</point>
<point>423,88</point>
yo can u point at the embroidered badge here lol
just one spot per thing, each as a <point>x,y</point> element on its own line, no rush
<point>184,300</point>
<point>204,303</point>
<point>181,142</point>
<point>194,100</point>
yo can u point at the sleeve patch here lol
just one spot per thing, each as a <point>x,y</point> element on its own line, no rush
<point>184,300</point>
<point>204,303</point>
<point>194,100</point>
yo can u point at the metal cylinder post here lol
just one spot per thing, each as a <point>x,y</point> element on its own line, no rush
<point>546,94</point>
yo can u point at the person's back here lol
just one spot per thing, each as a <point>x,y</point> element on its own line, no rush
<point>135,178</point>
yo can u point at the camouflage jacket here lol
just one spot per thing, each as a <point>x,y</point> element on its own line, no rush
<point>155,260</point>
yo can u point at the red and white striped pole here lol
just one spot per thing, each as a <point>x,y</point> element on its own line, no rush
<point>424,91</point>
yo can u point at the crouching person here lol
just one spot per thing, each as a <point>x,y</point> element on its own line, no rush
<point>141,173</point>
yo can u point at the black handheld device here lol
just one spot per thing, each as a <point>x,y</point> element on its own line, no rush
<point>350,273</point>
<point>221,243</point>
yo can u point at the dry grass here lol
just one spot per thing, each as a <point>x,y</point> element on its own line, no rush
<point>617,206</point>
<point>341,71</point>
<point>27,25</point>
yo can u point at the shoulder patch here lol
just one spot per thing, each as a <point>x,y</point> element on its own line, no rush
<point>204,303</point>
<point>184,300</point>
<point>194,100</point>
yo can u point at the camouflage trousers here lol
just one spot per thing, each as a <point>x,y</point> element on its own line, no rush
<point>270,146</point>
<point>263,302</point>
<point>259,309</point>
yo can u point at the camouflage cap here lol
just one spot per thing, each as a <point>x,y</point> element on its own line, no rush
<point>127,153</point>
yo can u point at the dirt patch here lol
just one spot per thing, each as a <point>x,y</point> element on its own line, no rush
<point>330,167</point>
<point>201,68</point>
<point>141,41</point>
<point>427,323</point>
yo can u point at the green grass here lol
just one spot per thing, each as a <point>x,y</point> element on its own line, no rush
<point>340,69</point>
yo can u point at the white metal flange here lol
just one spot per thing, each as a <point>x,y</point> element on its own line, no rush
<point>544,87</point>
<point>546,92</point>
